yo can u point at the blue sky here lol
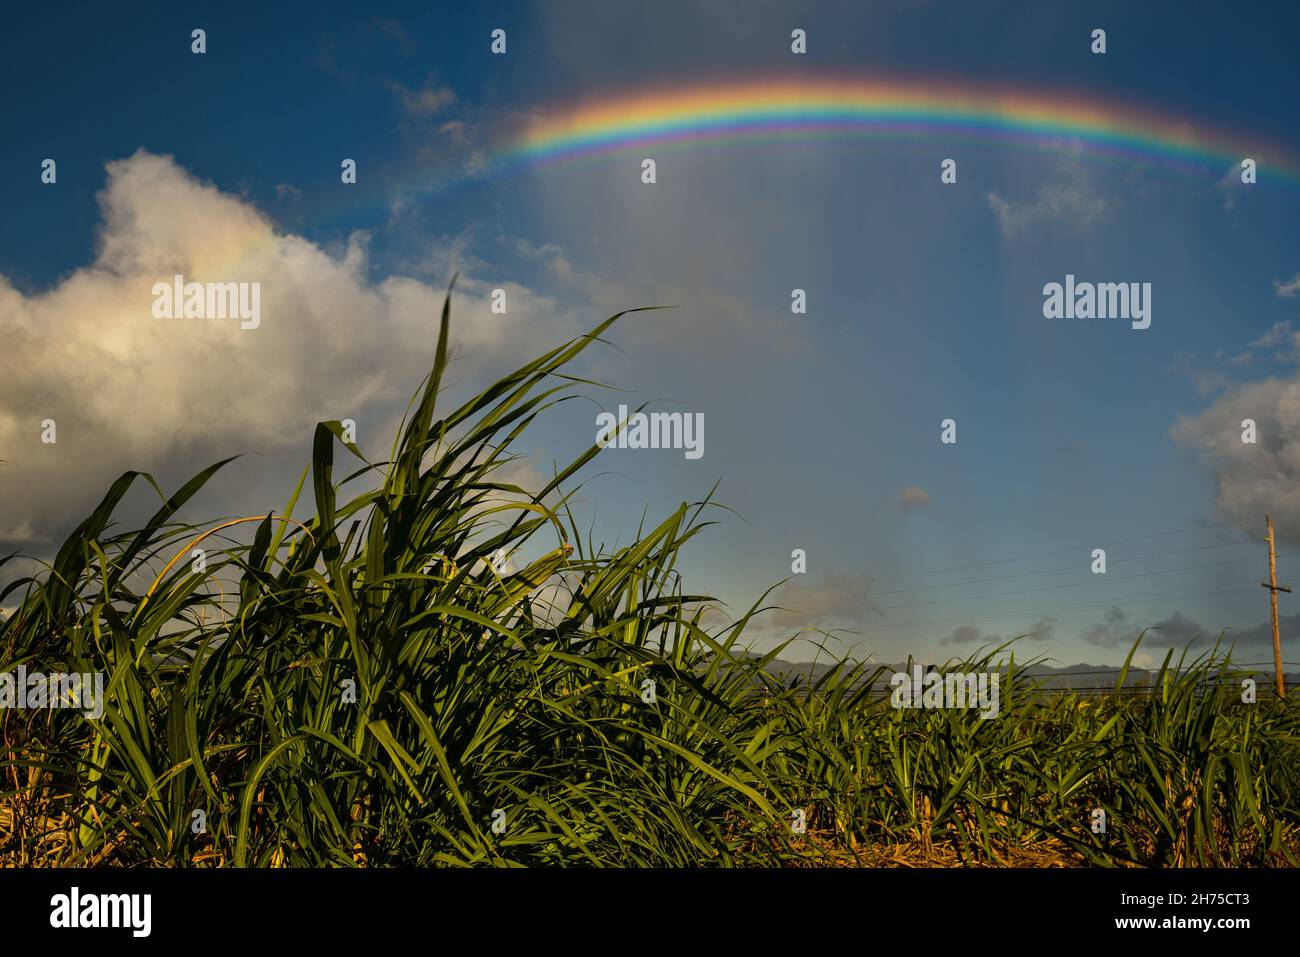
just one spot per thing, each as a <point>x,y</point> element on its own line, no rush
<point>924,301</point>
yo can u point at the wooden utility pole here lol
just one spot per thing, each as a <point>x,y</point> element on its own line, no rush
<point>1273,588</point>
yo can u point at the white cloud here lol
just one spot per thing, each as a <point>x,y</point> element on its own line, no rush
<point>1228,187</point>
<point>427,101</point>
<point>1071,201</point>
<point>556,262</point>
<point>1279,332</point>
<point>128,390</point>
<point>1280,344</point>
<point>1253,478</point>
<point>1288,289</point>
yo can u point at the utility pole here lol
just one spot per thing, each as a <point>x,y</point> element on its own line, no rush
<point>1273,588</point>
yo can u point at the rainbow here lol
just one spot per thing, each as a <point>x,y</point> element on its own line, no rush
<point>800,109</point>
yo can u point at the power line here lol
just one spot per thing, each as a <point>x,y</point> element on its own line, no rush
<point>1062,551</point>
<point>1141,601</point>
<point>1052,571</point>
<point>1005,561</point>
<point>964,619</point>
<point>1096,580</point>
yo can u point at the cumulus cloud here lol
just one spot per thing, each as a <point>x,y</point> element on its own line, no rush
<point>913,496</point>
<point>1113,631</point>
<point>969,635</point>
<point>1261,635</point>
<point>1040,630</point>
<point>1260,477</point>
<point>127,390</point>
<point>1252,479</point>
<point>1177,631</point>
<point>1180,632</point>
